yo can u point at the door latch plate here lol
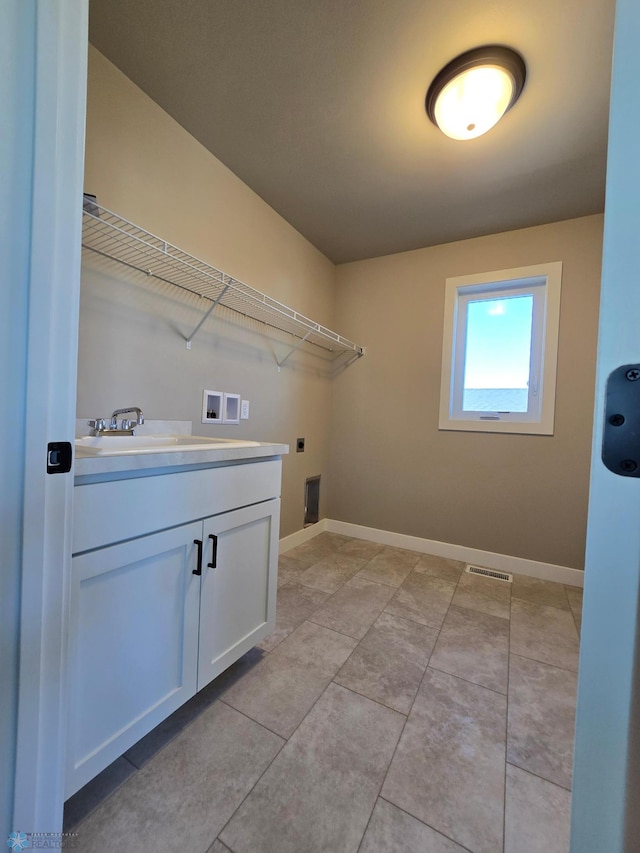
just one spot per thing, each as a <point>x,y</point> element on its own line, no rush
<point>621,439</point>
<point>59,456</point>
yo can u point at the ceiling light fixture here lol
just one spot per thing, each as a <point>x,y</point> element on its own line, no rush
<point>473,91</point>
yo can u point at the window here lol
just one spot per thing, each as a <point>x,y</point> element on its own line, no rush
<point>500,350</point>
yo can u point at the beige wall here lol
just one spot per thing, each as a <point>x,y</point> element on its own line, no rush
<point>145,167</point>
<point>390,466</point>
<point>372,432</point>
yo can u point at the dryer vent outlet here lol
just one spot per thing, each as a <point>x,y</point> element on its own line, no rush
<point>311,500</point>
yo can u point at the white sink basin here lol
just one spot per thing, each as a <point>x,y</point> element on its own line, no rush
<point>120,445</point>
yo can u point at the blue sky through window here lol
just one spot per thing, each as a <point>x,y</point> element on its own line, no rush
<point>498,351</point>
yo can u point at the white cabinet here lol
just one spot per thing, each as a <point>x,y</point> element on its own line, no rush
<point>147,630</point>
<point>237,592</point>
<point>134,644</point>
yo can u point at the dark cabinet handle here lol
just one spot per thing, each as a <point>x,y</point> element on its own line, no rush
<point>214,551</point>
<point>198,569</point>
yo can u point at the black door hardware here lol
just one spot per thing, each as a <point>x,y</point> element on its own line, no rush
<point>198,569</point>
<point>214,551</point>
<point>621,439</point>
<point>59,456</point>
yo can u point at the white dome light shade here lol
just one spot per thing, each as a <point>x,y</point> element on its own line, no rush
<point>472,93</point>
<point>473,102</point>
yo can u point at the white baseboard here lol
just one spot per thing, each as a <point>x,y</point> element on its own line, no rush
<point>488,559</point>
<point>304,535</point>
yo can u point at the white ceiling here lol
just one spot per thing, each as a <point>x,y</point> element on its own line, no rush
<point>318,105</point>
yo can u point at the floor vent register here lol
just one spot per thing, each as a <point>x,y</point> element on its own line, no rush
<point>489,573</point>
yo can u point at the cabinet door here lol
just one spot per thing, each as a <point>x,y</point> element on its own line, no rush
<point>238,596</point>
<point>134,644</point>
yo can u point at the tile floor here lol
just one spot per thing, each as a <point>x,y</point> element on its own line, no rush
<point>400,706</point>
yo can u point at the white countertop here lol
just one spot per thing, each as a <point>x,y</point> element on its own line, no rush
<point>139,462</point>
<point>132,462</point>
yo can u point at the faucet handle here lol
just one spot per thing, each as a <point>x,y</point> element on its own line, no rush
<point>97,424</point>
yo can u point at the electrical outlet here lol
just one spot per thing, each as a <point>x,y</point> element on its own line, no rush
<point>244,410</point>
<point>299,445</point>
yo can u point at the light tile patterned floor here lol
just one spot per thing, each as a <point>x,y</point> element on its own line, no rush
<point>400,706</point>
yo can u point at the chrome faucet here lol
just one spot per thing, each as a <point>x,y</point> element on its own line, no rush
<point>126,424</point>
<point>99,426</point>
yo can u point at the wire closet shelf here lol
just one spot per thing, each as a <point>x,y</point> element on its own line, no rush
<point>110,236</point>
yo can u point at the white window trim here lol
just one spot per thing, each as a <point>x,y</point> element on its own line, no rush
<point>539,422</point>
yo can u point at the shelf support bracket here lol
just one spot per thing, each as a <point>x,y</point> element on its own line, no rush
<point>213,307</point>
<point>291,351</point>
<point>353,358</point>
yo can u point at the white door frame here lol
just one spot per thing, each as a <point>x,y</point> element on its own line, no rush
<point>608,693</point>
<point>57,50</point>
<point>607,752</point>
